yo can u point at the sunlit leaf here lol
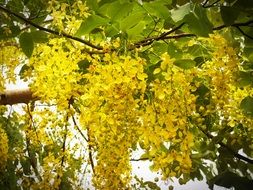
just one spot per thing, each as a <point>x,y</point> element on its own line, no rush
<point>90,24</point>
<point>185,63</point>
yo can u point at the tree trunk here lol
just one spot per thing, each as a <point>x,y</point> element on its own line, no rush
<point>10,97</point>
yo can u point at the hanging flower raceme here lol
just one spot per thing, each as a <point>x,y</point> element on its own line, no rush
<point>55,72</point>
<point>166,136</point>
<point>110,110</point>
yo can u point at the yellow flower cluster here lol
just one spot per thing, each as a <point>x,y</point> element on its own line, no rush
<point>110,109</point>
<point>55,72</point>
<point>3,149</point>
<point>68,17</point>
<point>220,74</point>
<point>119,110</point>
<point>10,56</point>
<point>165,131</point>
<point>51,174</point>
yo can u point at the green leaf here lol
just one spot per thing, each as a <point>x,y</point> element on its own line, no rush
<point>25,1</point>
<point>229,14</point>
<point>92,4</point>
<point>244,78</point>
<point>158,8</point>
<point>134,32</point>
<point>116,10</point>
<point>26,43</point>
<point>83,65</point>
<point>26,165</point>
<point>198,21</point>
<point>174,51</point>
<point>247,105</point>
<point>15,30</point>
<point>159,48</point>
<point>185,63</point>
<point>179,13</point>
<point>131,20</point>
<point>229,179</point>
<point>244,4</point>
<point>152,185</point>
<point>23,69</point>
<point>195,50</point>
<point>199,60</point>
<point>112,31</point>
<point>39,36</point>
<point>16,5</point>
<point>90,24</point>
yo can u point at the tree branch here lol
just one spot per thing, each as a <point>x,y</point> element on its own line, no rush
<point>90,151</point>
<point>205,2</point>
<point>31,154</point>
<point>234,25</point>
<point>243,33</point>
<point>10,97</point>
<point>49,30</point>
<point>235,154</point>
<point>165,35</point>
<point>205,5</point>
<point>150,40</point>
<point>78,128</point>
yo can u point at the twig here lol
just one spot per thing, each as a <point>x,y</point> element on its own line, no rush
<point>150,40</point>
<point>235,154</point>
<point>243,33</point>
<point>49,30</point>
<point>90,151</point>
<point>179,36</point>
<point>139,159</point>
<point>32,158</point>
<point>64,141</point>
<point>211,5</point>
<point>204,4</point>
<point>165,36</point>
<point>65,135</point>
<point>235,25</point>
<point>79,130</point>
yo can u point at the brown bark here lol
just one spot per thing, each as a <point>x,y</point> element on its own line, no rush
<point>10,97</point>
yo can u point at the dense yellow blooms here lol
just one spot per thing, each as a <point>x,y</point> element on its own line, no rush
<point>165,131</point>
<point>68,17</point>
<point>220,76</point>
<point>3,149</point>
<point>55,72</point>
<point>51,174</point>
<point>110,109</point>
<point>118,105</point>
<point>10,57</point>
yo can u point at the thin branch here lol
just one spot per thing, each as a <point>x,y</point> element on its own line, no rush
<point>90,151</point>
<point>204,4</point>
<point>78,128</point>
<point>179,36</point>
<point>165,35</point>
<point>150,40</point>
<point>61,34</point>
<point>235,154</point>
<point>32,157</point>
<point>210,5</point>
<point>65,135</point>
<point>235,25</point>
<point>243,33</point>
<point>139,159</point>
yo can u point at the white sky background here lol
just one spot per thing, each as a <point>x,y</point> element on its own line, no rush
<point>139,168</point>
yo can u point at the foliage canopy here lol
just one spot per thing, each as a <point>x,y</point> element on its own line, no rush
<point>169,78</point>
